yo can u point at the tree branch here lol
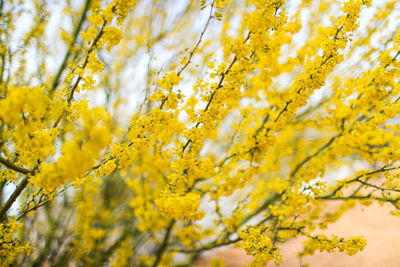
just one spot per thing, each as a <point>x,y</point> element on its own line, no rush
<point>164,244</point>
<point>14,167</point>
<point>71,45</point>
<point>13,197</point>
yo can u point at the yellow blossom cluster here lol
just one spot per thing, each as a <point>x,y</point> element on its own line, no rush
<point>136,135</point>
<point>11,247</point>
<point>320,242</point>
<point>260,246</point>
<point>180,207</point>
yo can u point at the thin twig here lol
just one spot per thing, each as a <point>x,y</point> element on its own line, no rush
<point>75,35</point>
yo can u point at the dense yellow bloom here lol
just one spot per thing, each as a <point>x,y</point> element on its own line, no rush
<point>350,246</point>
<point>260,246</point>
<point>147,133</point>
<point>11,247</point>
<point>179,207</point>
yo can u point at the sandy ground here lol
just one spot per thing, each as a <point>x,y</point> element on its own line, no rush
<point>380,229</point>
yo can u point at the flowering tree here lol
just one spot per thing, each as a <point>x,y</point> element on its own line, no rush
<point>144,133</point>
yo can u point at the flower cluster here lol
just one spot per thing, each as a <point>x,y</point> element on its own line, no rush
<point>143,137</point>
<point>179,207</point>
